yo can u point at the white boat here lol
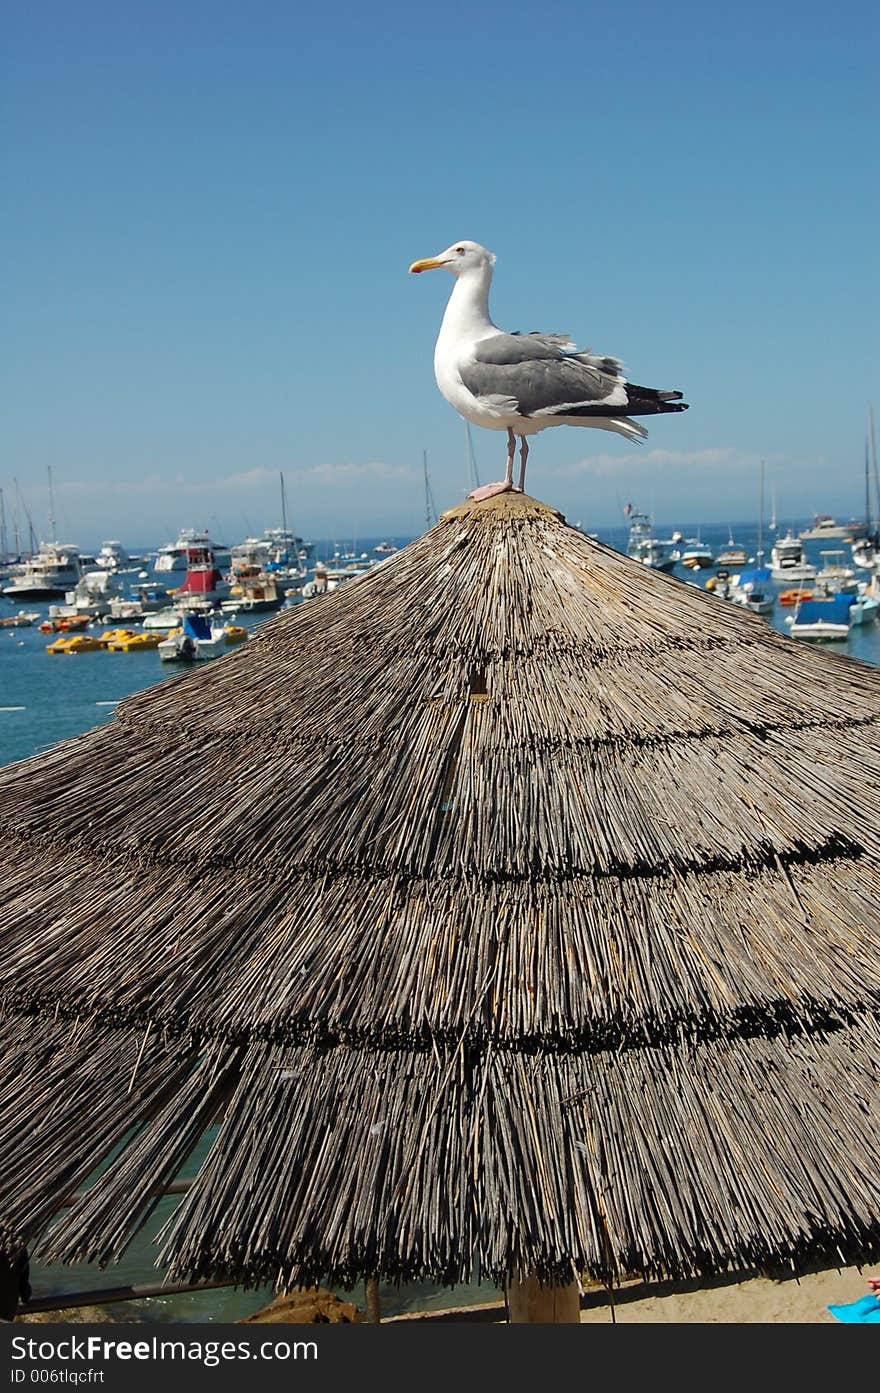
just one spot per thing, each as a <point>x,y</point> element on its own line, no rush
<point>750,590</point>
<point>865,608</point>
<point>825,526</point>
<point>822,621</point>
<point>173,556</point>
<point>167,619</point>
<point>834,576</point>
<point>23,620</point>
<point>644,547</point>
<point>732,555</point>
<point>112,556</point>
<point>696,555</point>
<point>787,560</point>
<point>196,640</point>
<point>93,595</point>
<point>49,574</point>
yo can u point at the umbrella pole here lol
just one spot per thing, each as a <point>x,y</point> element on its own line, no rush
<point>374,1314</point>
<point>530,1303</point>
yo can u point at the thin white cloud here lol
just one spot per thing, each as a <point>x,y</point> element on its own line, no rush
<point>717,457</point>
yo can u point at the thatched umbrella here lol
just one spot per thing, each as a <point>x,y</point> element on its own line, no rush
<point>514,906</point>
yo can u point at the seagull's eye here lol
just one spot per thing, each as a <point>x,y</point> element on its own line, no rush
<point>460,251</point>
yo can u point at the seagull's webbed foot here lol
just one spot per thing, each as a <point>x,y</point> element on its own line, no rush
<point>490,490</point>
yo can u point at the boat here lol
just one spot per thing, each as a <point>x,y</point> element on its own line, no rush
<point>173,556</point>
<point>132,642</point>
<point>825,526</point>
<point>834,577</point>
<point>64,623</point>
<point>732,555</point>
<point>204,583</point>
<point>163,620</point>
<point>787,560</point>
<point>696,555</point>
<point>48,575</point>
<point>23,620</point>
<point>74,643</point>
<point>141,598</point>
<point>865,606</point>
<point>794,596</point>
<point>822,620</point>
<point>384,549</point>
<point>643,546</point>
<point>252,590</point>
<point>196,640</point>
<point>92,595</point>
<point>112,556</point>
<point>116,636</point>
<point>749,589</point>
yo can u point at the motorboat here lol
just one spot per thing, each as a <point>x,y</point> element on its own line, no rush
<point>252,589</point>
<point>23,620</point>
<point>644,547</point>
<point>795,595</point>
<point>204,579</point>
<point>48,575</point>
<point>196,640</point>
<point>866,602</point>
<point>822,620</point>
<point>834,576</point>
<point>112,556</point>
<point>866,553</point>
<point>142,598</point>
<point>173,556</point>
<point>64,623</point>
<point>824,526</point>
<point>163,619</point>
<point>749,589</point>
<point>92,595</point>
<point>696,555</point>
<point>732,555</point>
<point>787,560</point>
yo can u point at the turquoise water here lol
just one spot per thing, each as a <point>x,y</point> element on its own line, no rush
<point>44,699</point>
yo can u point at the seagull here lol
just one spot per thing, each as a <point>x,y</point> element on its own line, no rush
<point>523,383</point>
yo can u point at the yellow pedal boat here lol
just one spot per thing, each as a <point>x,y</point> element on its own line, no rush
<point>133,642</point>
<point>74,643</point>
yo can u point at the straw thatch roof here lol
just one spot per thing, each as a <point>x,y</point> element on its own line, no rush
<point>515,908</point>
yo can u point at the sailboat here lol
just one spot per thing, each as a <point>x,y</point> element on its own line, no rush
<point>732,554</point>
<point>771,526</point>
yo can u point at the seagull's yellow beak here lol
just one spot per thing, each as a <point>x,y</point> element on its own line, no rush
<point>429,264</point>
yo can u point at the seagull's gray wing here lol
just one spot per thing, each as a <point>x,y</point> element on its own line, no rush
<point>541,374</point>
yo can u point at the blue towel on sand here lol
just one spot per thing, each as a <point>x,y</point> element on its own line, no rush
<point>867,1308</point>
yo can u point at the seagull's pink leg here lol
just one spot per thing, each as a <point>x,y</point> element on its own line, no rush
<point>489,490</point>
<point>523,456</point>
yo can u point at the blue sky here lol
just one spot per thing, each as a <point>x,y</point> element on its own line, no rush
<point>209,210</point>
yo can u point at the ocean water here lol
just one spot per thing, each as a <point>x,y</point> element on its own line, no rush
<point>45,699</point>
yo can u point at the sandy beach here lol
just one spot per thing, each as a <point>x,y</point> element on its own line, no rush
<point>761,1300</point>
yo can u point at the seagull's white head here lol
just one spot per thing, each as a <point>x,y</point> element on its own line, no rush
<point>461,256</point>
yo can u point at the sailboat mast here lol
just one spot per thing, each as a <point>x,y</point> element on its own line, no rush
<point>473,477</point>
<point>283,502</point>
<point>430,510</point>
<point>873,445</point>
<point>51,507</point>
<point>4,548</point>
<point>760,553</point>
